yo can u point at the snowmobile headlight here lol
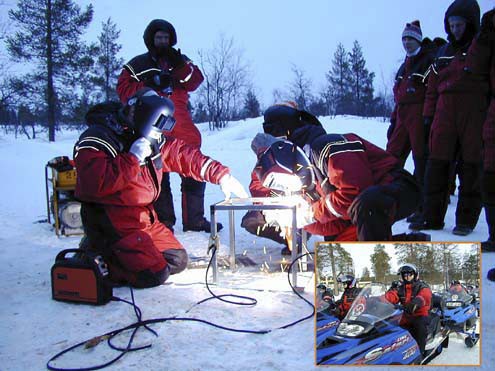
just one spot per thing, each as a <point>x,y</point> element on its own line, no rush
<point>351,330</point>
<point>453,304</point>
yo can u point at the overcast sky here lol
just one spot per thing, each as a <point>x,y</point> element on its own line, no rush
<point>275,34</point>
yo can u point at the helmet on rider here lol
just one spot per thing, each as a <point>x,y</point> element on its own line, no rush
<point>348,280</point>
<point>408,269</point>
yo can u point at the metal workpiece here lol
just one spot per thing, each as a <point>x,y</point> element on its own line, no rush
<point>254,203</point>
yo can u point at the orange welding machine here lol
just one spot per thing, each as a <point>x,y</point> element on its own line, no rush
<point>81,277</point>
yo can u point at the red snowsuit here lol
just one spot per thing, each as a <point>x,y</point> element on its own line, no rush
<point>359,183</point>
<point>405,293</point>
<point>118,195</point>
<point>185,79</point>
<point>456,98</point>
<point>486,40</point>
<point>420,294</point>
<point>346,300</point>
<point>409,96</point>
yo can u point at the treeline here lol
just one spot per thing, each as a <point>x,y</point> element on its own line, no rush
<point>438,263</point>
<point>68,75</point>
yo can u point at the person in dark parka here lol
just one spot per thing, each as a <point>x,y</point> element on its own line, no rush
<point>406,132</point>
<point>455,108</point>
<point>171,74</point>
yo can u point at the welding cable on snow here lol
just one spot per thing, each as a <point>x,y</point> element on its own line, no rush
<point>144,323</point>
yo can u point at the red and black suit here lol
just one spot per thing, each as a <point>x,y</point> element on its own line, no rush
<point>457,101</point>
<point>409,96</point>
<point>361,185</point>
<point>415,296</point>
<point>117,195</point>
<point>346,300</point>
<point>486,42</point>
<point>184,78</point>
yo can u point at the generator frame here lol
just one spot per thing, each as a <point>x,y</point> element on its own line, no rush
<point>57,189</point>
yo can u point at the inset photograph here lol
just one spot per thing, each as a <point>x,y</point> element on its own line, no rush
<point>398,303</point>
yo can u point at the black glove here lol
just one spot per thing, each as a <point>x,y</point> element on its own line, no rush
<point>394,285</point>
<point>159,81</point>
<point>391,129</point>
<point>487,29</point>
<point>427,121</point>
<point>412,306</point>
<point>174,57</point>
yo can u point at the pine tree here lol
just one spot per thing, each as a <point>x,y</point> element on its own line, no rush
<point>108,65</point>
<point>300,89</point>
<point>48,33</point>
<point>380,263</point>
<point>361,82</point>
<point>251,105</point>
<point>338,83</point>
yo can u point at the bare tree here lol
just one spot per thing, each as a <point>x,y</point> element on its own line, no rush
<point>226,79</point>
<point>300,88</point>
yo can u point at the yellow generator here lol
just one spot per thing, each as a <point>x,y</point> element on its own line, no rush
<point>60,181</point>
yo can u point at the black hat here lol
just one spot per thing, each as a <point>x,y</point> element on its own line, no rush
<point>158,25</point>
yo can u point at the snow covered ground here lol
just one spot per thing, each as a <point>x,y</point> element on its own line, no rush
<point>33,327</point>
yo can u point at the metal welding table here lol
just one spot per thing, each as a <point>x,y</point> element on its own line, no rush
<point>255,203</point>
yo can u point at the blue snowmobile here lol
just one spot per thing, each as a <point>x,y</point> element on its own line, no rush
<point>460,315</point>
<point>370,334</point>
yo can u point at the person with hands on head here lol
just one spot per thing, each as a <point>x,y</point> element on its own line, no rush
<point>120,161</point>
<point>171,74</point>
<point>415,296</point>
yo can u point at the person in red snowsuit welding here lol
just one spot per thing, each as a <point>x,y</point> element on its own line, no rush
<point>351,183</point>
<point>120,160</point>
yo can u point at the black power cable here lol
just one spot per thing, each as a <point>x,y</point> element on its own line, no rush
<point>144,323</point>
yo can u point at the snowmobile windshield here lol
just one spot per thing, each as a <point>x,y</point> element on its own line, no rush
<point>457,299</point>
<point>368,311</point>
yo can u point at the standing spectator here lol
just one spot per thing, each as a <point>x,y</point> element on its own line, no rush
<point>171,74</point>
<point>455,108</point>
<point>120,160</point>
<point>406,130</point>
<point>486,39</point>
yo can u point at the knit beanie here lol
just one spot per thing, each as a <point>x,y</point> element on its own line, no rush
<point>413,30</point>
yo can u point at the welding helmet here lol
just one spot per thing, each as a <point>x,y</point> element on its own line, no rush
<point>152,116</point>
<point>283,166</point>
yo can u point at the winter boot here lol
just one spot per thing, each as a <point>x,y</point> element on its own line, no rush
<point>469,204</point>
<point>491,274</point>
<point>419,174</point>
<point>203,225</point>
<point>413,236</point>
<point>488,246</point>
<point>435,196</point>
<point>462,230</point>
